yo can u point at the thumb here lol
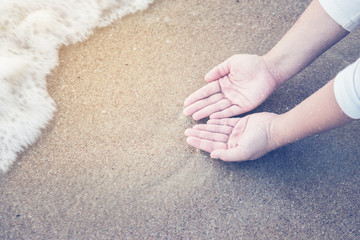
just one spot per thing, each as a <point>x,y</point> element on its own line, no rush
<point>219,71</point>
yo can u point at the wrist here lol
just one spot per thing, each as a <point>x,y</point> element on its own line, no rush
<point>277,132</point>
<point>273,65</point>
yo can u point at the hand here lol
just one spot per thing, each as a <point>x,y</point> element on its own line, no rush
<point>236,86</point>
<point>235,139</point>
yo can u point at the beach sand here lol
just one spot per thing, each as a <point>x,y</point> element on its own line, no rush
<point>114,164</point>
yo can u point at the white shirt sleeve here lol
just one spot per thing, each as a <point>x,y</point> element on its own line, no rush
<point>347,90</point>
<point>344,12</point>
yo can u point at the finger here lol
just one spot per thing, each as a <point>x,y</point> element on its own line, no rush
<point>238,131</point>
<point>207,111</point>
<point>216,137</point>
<point>228,155</point>
<point>214,128</point>
<point>204,92</point>
<point>228,112</point>
<point>231,122</point>
<point>219,71</point>
<point>205,145</point>
<point>196,106</point>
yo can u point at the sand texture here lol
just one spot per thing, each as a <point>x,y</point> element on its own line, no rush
<point>113,163</point>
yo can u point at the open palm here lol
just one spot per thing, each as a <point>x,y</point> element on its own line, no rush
<point>234,139</point>
<point>236,86</point>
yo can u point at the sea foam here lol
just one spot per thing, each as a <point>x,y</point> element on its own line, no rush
<point>31,33</point>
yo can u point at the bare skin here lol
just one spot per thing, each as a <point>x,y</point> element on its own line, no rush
<point>243,82</point>
<point>234,139</point>
<point>251,137</point>
<point>236,86</point>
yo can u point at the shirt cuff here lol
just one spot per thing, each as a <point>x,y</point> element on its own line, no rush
<point>345,12</point>
<point>347,90</point>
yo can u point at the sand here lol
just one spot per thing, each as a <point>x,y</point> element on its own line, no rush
<point>114,164</point>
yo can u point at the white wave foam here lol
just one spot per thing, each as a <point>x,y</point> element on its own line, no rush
<point>31,33</point>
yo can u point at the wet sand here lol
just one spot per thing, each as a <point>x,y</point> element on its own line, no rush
<point>113,164</point>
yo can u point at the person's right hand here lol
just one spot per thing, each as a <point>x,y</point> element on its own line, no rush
<point>236,86</point>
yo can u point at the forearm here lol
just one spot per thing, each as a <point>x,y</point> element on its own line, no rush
<point>313,33</point>
<point>319,112</point>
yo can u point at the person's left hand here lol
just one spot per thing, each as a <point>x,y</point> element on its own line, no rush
<point>234,139</point>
